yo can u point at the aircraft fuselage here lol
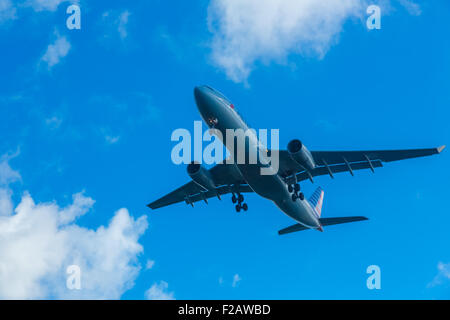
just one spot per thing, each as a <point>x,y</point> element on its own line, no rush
<point>220,114</point>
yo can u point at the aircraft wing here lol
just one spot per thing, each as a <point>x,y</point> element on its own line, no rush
<point>330,162</point>
<point>226,177</point>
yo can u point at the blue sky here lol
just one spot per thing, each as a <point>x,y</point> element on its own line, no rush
<point>92,111</point>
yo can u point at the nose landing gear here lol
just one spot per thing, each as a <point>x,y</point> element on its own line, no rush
<point>213,122</point>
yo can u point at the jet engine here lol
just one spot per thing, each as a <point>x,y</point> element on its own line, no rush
<point>300,154</point>
<point>201,176</point>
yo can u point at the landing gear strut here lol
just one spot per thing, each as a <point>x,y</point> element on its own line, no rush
<point>240,205</point>
<point>295,190</point>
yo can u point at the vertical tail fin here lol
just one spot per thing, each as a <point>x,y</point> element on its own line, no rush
<point>316,200</point>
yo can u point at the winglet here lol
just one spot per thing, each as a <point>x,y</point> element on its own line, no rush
<point>439,150</point>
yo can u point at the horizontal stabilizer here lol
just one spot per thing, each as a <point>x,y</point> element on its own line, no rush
<point>323,221</point>
<point>294,228</point>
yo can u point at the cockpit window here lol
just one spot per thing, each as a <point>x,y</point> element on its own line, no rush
<point>219,95</point>
<point>225,99</point>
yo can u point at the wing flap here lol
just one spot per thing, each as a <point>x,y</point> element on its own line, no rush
<point>192,194</point>
<point>325,170</point>
<point>339,161</point>
<point>224,176</point>
<point>335,157</point>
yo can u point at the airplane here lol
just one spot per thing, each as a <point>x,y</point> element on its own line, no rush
<point>296,164</point>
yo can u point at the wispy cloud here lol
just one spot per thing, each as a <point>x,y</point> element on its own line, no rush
<point>149,264</point>
<point>412,7</point>
<point>7,174</point>
<point>56,51</point>
<point>53,122</point>
<point>7,11</point>
<point>122,24</point>
<point>236,280</point>
<point>112,139</point>
<point>116,24</point>
<point>158,291</point>
<point>45,5</point>
<point>443,274</point>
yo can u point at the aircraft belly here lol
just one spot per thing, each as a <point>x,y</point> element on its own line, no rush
<point>274,188</point>
<point>299,211</point>
<point>267,186</point>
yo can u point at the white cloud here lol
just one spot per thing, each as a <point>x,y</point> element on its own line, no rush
<point>6,205</point>
<point>236,280</point>
<point>38,241</point>
<point>122,24</point>
<point>117,22</point>
<point>158,291</point>
<point>149,264</point>
<point>7,11</point>
<point>56,51</point>
<point>413,8</point>
<point>8,8</point>
<point>443,274</point>
<point>7,174</point>
<point>249,31</point>
<point>53,123</point>
<point>112,139</point>
<point>45,5</point>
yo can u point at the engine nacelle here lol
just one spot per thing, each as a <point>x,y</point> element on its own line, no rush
<point>300,154</point>
<point>201,176</point>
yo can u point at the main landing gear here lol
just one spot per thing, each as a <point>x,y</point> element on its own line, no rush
<point>239,199</point>
<point>295,190</point>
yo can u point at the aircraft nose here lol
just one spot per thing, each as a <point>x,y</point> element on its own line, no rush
<point>200,94</point>
<point>204,100</point>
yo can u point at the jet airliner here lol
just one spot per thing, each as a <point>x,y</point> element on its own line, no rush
<point>296,164</point>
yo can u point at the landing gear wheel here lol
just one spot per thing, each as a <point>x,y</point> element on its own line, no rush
<point>238,208</point>
<point>240,198</point>
<point>290,189</point>
<point>301,196</point>
<point>296,187</point>
<point>294,197</point>
<point>233,199</point>
<point>245,207</point>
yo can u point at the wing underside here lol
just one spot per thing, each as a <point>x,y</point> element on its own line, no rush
<point>330,162</point>
<point>229,180</point>
<point>191,193</point>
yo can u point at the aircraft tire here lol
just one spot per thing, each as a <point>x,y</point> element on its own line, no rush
<point>245,207</point>
<point>238,208</point>
<point>301,196</point>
